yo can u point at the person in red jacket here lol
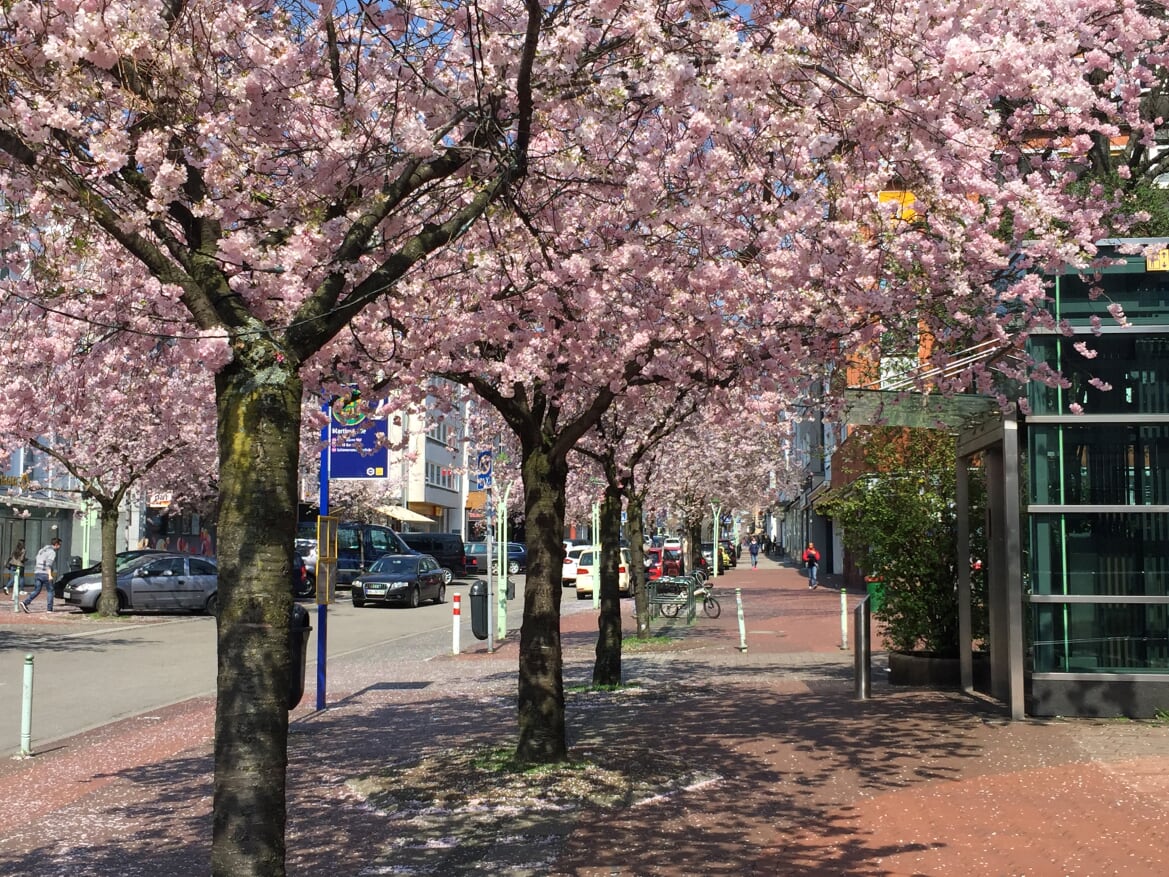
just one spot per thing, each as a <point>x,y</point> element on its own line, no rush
<point>812,561</point>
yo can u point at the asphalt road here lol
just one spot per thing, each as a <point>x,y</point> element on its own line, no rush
<point>86,674</point>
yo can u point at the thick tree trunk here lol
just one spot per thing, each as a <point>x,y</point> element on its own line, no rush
<point>637,576</point>
<point>258,434</point>
<point>541,679</point>
<point>607,669</point>
<point>107,603</point>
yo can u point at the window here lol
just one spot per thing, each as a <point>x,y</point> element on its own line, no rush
<point>379,540</point>
<point>1101,638</point>
<point>167,566</point>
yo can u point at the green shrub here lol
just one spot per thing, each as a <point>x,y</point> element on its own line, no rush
<point>899,520</point>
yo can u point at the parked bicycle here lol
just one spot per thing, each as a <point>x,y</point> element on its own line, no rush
<point>710,604</point>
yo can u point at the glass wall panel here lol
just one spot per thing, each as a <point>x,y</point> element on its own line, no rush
<point>1131,373</point>
<point>1099,464</point>
<point>1100,638</point>
<point>1099,554</point>
<point>1144,297</point>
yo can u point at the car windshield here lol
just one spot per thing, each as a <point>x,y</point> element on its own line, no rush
<point>132,561</point>
<point>395,564</point>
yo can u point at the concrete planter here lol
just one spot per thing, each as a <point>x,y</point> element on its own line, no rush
<point>927,670</point>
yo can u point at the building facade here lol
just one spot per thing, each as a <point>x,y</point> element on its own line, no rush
<point>1095,477</point>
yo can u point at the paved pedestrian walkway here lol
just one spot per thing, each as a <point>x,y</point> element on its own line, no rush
<point>773,768</point>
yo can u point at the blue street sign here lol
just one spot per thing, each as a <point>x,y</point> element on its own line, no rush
<point>483,478</point>
<point>354,446</point>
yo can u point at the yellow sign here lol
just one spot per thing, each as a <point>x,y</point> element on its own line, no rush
<point>904,202</point>
<point>1158,261</point>
<point>326,571</point>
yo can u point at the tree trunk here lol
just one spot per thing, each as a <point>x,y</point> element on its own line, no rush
<point>107,603</point>
<point>637,575</point>
<point>607,669</point>
<point>541,668</point>
<point>258,434</point>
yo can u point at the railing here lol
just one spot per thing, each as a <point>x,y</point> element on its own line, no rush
<point>862,650</point>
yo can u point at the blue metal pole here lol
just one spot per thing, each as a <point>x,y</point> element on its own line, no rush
<point>322,602</point>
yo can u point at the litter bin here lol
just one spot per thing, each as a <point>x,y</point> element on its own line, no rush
<point>510,589</point>
<point>74,562</point>
<point>298,631</point>
<point>876,589</point>
<point>479,609</point>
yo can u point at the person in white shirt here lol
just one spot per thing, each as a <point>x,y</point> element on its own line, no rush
<point>44,570</point>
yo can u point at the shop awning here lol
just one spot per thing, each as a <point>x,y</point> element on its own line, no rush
<point>403,514</point>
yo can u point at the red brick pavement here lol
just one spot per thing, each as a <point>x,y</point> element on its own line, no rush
<point>791,775</point>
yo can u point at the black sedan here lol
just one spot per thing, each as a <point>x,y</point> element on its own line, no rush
<point>400,578</point>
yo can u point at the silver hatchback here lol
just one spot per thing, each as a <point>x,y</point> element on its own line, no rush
<point>160,582</point>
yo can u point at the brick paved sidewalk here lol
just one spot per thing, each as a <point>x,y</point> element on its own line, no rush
<point>789,774</point>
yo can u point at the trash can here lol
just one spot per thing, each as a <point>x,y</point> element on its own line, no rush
<point>479,609</point>
<point>74,562</point>
<point>510,589</point>
<point>298,631</point>
<point>876,589</point>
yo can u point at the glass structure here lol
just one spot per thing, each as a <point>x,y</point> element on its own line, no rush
<point>1096,478</point>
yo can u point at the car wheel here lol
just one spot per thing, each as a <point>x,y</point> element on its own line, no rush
<point>212,604</point>
<point>358,602</point>
<point>308,587</point>
<point>415,598</point>
<point>447,577</point>
<point>441,596</point>
<point>513,567</point>
<point>123,603</point>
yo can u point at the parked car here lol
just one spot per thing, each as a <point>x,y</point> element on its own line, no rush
<point>724,561</point>
<point>358,546</point>
<point>653,563</point>
<point>446,548</point>
<point>400,578</point>
<point>303,585</point>
<point>517,557</point>
<point>571,557</point>
<point>122,556</point>
<point>307,549</point>
<point>154,582</point>
<point>588,574</point>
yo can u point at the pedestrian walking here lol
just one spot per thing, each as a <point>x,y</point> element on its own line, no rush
<point>44,569</point>
<point>812,561</point>
<point>15,569</point>
<point>753,548</point>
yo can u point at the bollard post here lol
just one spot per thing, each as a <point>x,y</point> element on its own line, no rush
<point>863,651</point>
<point>26,710</point>
<point>742,622</point>
<point>455,633</point>
<point>844,621</point>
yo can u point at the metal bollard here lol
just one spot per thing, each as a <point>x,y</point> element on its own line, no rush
<point>742,623</point>
<point>455,633</point>
<point>26,710</point>
<point>863,653</point>
<point>843,621</point>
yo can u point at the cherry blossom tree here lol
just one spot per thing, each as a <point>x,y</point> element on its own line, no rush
<point>271,169</point>
<point>549,206</point>
<point>114,405</point>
